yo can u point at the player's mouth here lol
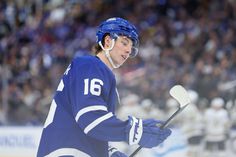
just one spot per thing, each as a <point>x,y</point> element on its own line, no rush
<point>124,57</point>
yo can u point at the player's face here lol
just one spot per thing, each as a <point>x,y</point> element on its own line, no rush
<point>121,50</point>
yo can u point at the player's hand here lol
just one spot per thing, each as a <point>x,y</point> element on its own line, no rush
<point>152,134</point>
<point>113,152</point>
<point>146,133</point>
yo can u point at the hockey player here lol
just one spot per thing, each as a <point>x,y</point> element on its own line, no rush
<point>216,127</point>
<point>82,119</point>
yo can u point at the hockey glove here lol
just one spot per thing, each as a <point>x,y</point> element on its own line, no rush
<point>146,133</point>
<point>113,152</point>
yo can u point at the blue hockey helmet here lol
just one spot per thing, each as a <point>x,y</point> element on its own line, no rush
<point>119,26</point>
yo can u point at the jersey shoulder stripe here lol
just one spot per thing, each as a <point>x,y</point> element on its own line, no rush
<point>89,109</point>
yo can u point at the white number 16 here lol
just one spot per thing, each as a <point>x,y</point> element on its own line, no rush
<point>93,86</point>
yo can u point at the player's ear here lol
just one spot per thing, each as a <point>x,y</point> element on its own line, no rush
<point>107,41</point>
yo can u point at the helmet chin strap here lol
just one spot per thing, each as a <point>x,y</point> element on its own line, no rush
<point>107,53</point>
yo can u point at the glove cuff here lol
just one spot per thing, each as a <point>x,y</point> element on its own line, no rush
<point>135,132</point>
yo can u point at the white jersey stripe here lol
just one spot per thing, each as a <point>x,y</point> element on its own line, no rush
<point>88,109</point>
<point>67,152</point>
<point>97,121</point>
<point>51,113</point>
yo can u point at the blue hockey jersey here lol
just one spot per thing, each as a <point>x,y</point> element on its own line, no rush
<point>81,119</point>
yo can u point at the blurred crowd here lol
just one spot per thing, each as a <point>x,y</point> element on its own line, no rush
<point>188,42</point>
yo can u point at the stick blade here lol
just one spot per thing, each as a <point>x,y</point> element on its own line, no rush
<point>180,94</point>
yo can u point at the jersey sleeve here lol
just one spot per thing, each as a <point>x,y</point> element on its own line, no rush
<point>92,86</point>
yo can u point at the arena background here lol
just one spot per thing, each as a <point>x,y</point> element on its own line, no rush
<point>187,42</point>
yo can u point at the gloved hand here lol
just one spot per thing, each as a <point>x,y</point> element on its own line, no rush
<point>113,152</point>
<point>152,134</point>
<point>146,133</point>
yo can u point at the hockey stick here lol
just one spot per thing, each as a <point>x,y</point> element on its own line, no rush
<point>179,94</point>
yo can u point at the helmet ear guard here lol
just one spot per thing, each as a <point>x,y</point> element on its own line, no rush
<point>117,26</point>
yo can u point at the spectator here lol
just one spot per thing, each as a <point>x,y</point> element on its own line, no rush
<point>216,127</point>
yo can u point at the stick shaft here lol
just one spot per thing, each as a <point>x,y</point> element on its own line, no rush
<point>171,117</point>
<point>136,151</point>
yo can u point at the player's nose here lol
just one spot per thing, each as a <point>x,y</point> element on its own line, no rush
<point>128,50</point>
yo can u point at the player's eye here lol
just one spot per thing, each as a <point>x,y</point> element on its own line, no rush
<point>125,41</point>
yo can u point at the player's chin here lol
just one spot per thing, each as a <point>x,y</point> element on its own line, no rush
<point>122,62</point>
<point>119,63</point>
